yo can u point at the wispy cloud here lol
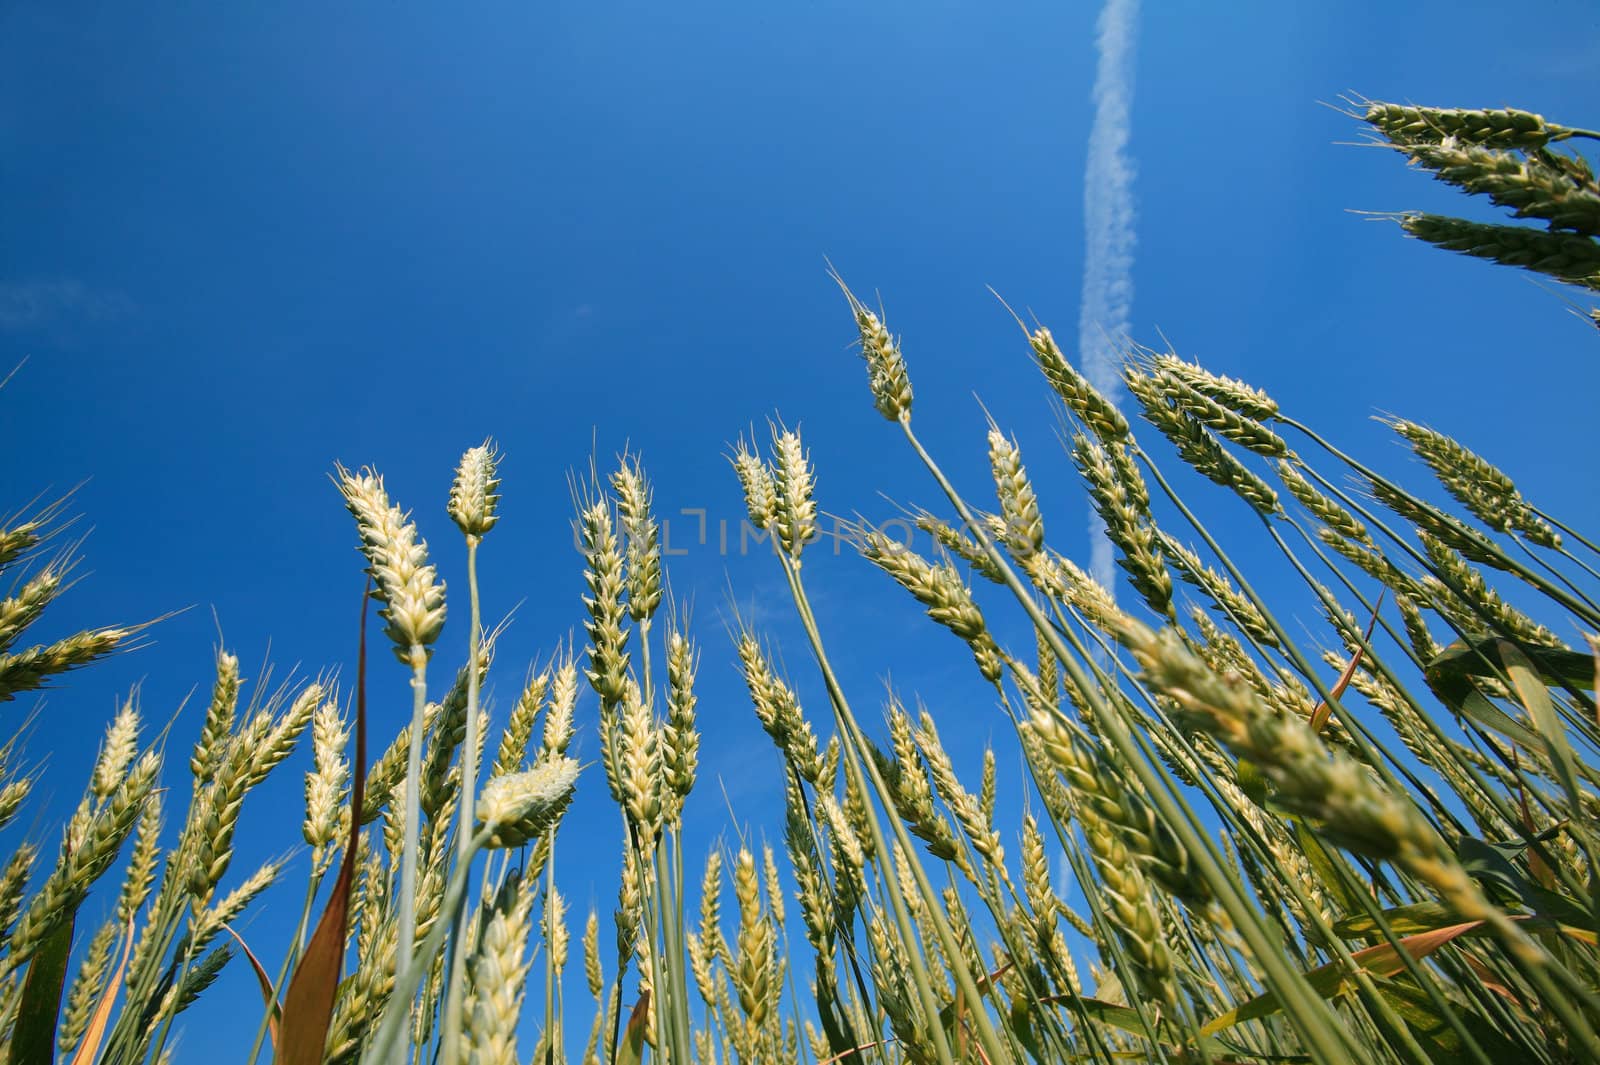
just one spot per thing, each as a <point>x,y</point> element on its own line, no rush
<point>38,304</point>
<point>1107,302</point>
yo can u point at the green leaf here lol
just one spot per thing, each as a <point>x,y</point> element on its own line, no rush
<point>1440,1040</point>
<point>1451,675</point>
<point>1556,666</point>
<point>1536,700</point>
<point>33,1039</point>
<point>1403,921</point>
<point>1491,864</point>
<point>1322,863</point>
<point>1117,1016</point>
<point>1252,782</point>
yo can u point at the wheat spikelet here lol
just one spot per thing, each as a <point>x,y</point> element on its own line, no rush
<point>12,795</point>
<point>558,715</point>
<point>1105,804</point>
<point>895,995</point>
<point>1235,604</point>
<point>680,741</point>
<point>117,752</point>
<point>756,969</point>
<point>1197,446</point>
<point>1231,393</point>
<point>1126,523</point>
<point>639,756</point>
<point>388,772</point>
<point>706,946</point>
<point>1487,493</point>
<point>795,519</point>
<point>968,812</point>
<point>1375,564</point>
<point>32,669</point>
<point>208,925</point>
<point>325,785</point>
<point>518,733</point>
<point>521,806</point>
<point>450,731</point>
<point>1405,125</point>
<point>1528,185</point>
<point>1219,417</point>
<point>886,367</point>
<point>778,709</point>
<point>1093,409</point>
<point>474,494</point>
<point>497,970</point>
<point>12,882</point>
<point>1463,584</point>
<point>847,852</point>
<point>208,749</point>
<point>1324,509</point>
<point>19,611</point>
<point>938,587</point>
<point>86,987</point>
<point>1566,256</point>
<point>254,752</point>
<point>906,773</point>
<point>816,901</point>
<point>608,655</point>
<point>403,581</point>
<point>141,871</point>
<point>960,545</point>
<point>1019,505</point>
<point>644,552</point>
<point>774,887</point>
<point>1329,787</point>
<point>760,487</point>
<point>85,858</point>
<point>17,540</point>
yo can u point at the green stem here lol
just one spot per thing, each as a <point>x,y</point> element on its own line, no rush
<point>552,1034</point>
<point>407,913</point>
<point>1309,1014</point>
<point>450,1037</point>
<point>855,741</point>
<point>396,1014</point>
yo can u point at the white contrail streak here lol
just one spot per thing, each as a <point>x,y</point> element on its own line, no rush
<point>1107,304</point>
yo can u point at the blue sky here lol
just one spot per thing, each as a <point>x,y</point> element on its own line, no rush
<point>241,242</point>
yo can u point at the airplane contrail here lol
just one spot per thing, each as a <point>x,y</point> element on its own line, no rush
<point>1107,303</point>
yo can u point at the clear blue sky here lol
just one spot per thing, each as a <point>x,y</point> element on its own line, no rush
<point>239,242</point>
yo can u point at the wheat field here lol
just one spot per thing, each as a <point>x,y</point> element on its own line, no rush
<point>1372,843</point>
